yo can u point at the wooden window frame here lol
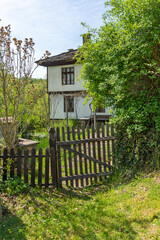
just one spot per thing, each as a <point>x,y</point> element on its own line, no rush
<point>70,108</point>
<point>68,76</point>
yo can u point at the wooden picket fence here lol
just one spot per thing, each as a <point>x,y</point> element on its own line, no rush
<point>76,157</point>
<point>34,169</point>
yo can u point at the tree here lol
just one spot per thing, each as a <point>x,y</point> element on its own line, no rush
<point>40,118</point>
<point>17,96</point>
<point>121,69</point>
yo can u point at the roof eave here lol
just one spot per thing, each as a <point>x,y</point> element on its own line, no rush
<point>56,63</point>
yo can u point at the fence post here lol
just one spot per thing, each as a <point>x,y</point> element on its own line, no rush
<point>112,134</point>
<point>5,155</point>
<point>53,152</point>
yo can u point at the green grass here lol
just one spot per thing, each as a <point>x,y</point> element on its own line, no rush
<point>121,211</point>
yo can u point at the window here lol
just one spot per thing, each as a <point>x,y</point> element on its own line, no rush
<point>69,104</point>
<point>68,76</point>
<point>100,110</point>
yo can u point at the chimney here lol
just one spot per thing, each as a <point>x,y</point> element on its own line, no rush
<point>70,50</point>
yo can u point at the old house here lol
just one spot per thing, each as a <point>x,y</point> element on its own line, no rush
<point>66,93</point>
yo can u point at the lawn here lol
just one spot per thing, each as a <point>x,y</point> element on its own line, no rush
<point>109,211</point>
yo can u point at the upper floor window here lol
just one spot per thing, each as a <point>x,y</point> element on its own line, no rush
<point>68,76</point>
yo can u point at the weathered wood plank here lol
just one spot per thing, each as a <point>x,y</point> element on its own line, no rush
<point>54,167</point>
<point>108,145</point>
<point>47,168</point>
<point>40,159</point>
<point>94,152</point>
<point>75,156</point>
<point>59,157</point>
<point>52,137</point>
<point>80,156</point>
<point>84,149</point>
<point>65,158</point>
<point>112,134</point>
<point>103,146</point>
<point>26,153</point>
<point>19,162</point>
<point>69,156</point>
<point>5,156</point>
<point>33,160</point>
<point>12,167</point>
<point>89,149</point>
<point>99,148</point>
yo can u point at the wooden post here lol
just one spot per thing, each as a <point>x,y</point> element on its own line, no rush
<point>59,159</point>
<point>5,154</point>
<point>52,144</point>
<point>69,156</point>
<point>40,154</point>
<point>0,213</point>
<point>112,134</point>
<point>95,124</point>
<point>47,168</point>
<point>65,157</point>
<point>12,152</point>
<point>85,152</point>
<point>66,111</point>
<point>19,162</point>
<point>54,167</point>
<point>33,161</point>
<point>52,137</point>
<point>26,154</point>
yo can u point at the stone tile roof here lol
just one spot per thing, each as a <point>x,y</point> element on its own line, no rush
<point>60,59</point>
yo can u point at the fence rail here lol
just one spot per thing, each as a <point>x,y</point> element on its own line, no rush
<point>76,157</point>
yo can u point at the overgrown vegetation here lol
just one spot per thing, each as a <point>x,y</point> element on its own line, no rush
<point>14,186</point>
<point>118,210</point>
<point>121,70</point>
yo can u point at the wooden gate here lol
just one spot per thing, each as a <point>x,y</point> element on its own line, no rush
<point>84,155</point>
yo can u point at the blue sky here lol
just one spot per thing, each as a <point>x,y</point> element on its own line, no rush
<point>54,25</point>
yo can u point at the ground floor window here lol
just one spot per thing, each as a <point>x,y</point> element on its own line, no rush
<point>68,104</point>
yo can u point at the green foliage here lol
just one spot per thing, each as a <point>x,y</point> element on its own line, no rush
<point>14,186</point>
<point>121,67</point>
<point>123,212</point>
<point>39,116</point>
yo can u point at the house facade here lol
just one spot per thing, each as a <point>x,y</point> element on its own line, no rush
<point>65,89</point>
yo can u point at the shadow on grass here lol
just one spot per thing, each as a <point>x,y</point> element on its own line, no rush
<point>90,221</point>
<point>11,227</point>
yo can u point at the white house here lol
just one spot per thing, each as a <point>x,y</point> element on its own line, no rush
<point>66,94</point>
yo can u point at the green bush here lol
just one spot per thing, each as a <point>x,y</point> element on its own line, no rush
<point>14,186</point>
<point>121,70</point>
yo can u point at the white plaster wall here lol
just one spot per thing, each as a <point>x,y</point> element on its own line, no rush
<point>55,79</point>
<point>81,110</point>
<point>57,108</point>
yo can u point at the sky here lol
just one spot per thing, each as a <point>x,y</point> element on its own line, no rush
<point>54,25</point>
